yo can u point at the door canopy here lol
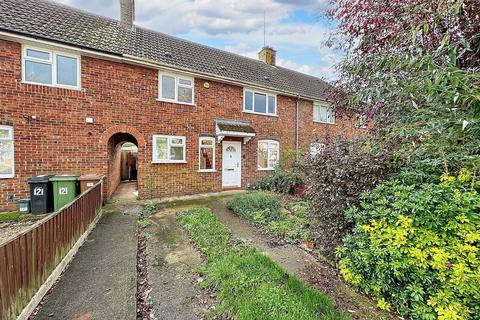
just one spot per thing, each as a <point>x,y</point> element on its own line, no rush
<point>234,128</point>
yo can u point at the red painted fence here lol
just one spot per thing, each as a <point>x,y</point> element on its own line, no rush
<point>27,260</point>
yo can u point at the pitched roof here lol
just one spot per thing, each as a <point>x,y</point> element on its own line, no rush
<point>52,21</point>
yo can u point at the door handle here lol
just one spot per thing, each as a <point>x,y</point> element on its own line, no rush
<point>230,169</point>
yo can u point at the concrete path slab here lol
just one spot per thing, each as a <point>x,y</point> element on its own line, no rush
<point>172,264</point>
<point>100,282</point>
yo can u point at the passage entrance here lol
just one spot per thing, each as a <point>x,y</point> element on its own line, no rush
<point>129,160</point>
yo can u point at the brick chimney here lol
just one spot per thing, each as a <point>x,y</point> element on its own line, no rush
<point>127,13</point>
<point>268,55</point>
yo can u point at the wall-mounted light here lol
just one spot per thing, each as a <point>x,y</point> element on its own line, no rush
<point>29,118</point>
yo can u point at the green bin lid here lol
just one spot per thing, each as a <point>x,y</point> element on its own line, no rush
<point>64,177</point>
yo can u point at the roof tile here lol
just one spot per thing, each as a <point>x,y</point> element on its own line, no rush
<point>57,22</point>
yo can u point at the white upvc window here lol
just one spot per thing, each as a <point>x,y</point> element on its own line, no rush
<point>169,149</point>
<point>50,68</point>
<point>323,113</point>
<point>316,148</point>
<point>175,88</point>
<point>268,154</point>
<point>7,161</point>
<point>206,154</point>
<point>259,102</point>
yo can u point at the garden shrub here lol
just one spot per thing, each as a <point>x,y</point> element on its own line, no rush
<point>298,208</point>
<point>416,247</point>
<point>266,211</point>
<point>249,205</point>
<point>335,178</point>
<point>291,228</point>
<point>280,181</point>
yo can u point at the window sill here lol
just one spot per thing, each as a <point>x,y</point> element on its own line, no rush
<point>176,102</point>
<point>206,171</point>
<point>261,114</point>
<point>322,122</point>
<point>52,85</point>
<point>7,177</point>
<point>167,162</point>
<point>266,169</point>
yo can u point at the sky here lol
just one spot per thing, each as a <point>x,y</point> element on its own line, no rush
<point>297,29</point>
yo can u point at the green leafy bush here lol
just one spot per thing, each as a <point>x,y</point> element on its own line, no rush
<point>335,179</point>
<point>266,205</point>
<point>416,247</point>
<point>280,181</point>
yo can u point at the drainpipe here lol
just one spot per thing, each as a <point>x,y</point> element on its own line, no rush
<point>297,126</point>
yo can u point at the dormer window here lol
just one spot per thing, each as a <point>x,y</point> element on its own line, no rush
<point>259,102</point>
<point>176,88</point>
<point>52,68</point>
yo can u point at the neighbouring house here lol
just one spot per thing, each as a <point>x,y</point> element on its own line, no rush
<point>81,93</point>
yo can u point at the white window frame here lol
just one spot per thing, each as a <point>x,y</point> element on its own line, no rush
<point>253,102</point>
<point>177,84</point>
<point>169,146</point>
<point>9,138</point>
<point>328,107</point>
<point>269,142</point>
<point>53,62</point>
<point>200,146</point>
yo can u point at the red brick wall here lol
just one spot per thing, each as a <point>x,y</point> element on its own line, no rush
<point>123,98</point>
<point>115,157</point>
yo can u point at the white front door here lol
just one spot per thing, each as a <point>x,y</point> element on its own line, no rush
<point>232,164</point>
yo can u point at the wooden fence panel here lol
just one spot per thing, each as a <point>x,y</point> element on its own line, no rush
<point>27,260</point>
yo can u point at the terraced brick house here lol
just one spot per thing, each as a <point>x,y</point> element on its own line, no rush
<point>76,89</point>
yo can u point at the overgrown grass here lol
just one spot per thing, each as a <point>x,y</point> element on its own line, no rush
<point>208,233</point>
<point>249,284</point>
<point>14,217</point>
<point>266,211</point>
<point>142,224</point>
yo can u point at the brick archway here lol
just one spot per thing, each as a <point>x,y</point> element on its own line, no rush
<point>107,134</point>
<point>112,139</point>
